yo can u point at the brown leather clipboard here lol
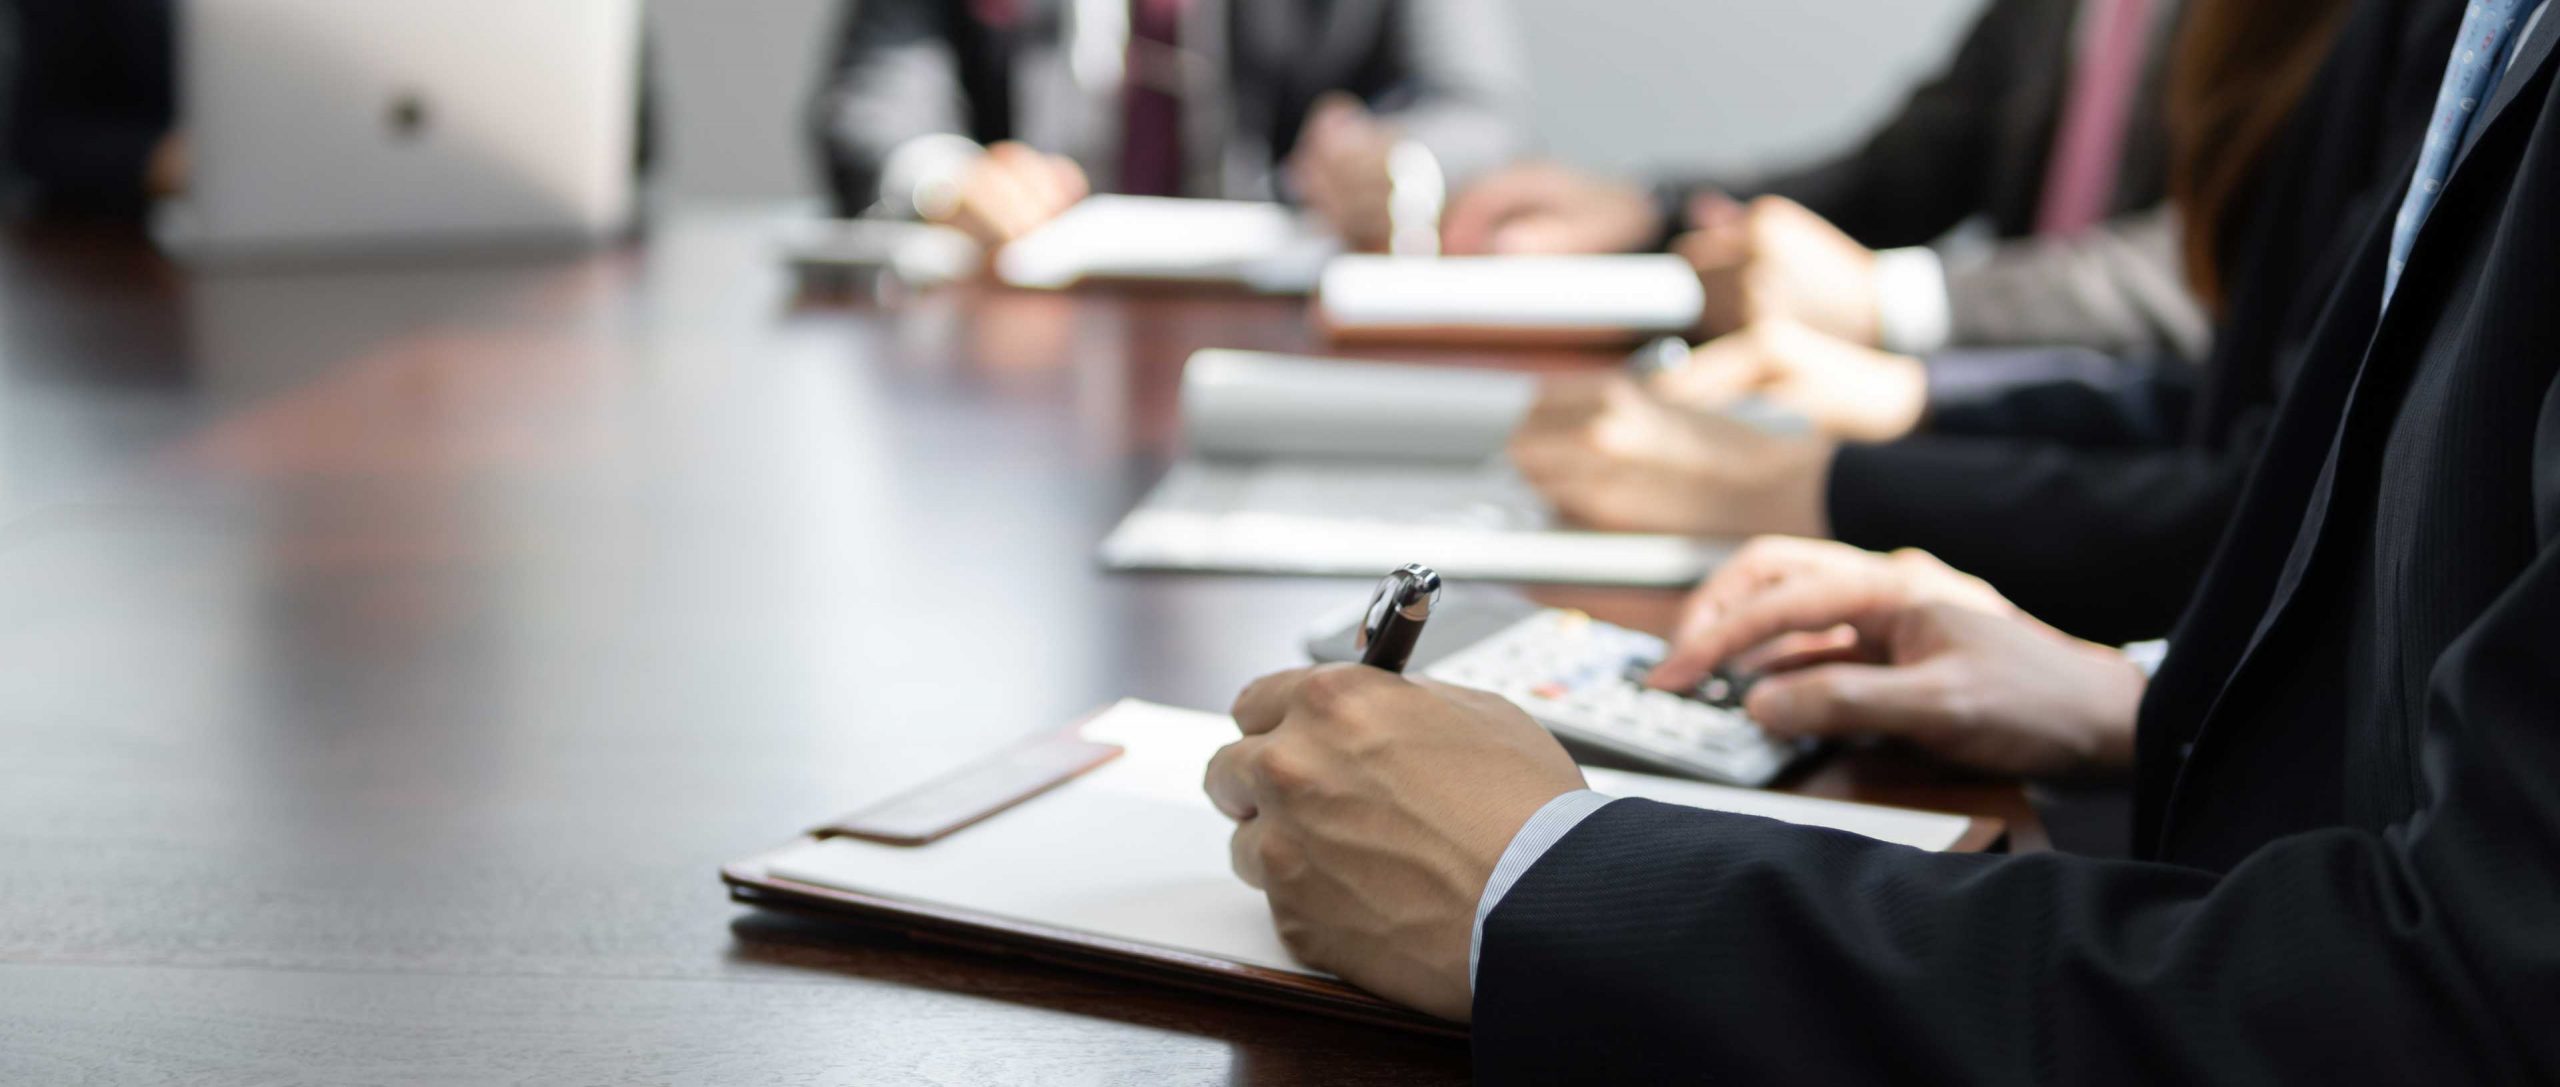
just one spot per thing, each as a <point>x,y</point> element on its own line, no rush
<point>752,882</point>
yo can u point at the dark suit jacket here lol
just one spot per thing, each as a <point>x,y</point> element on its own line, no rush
<point>2348,832</point>
<point>1976,141</point>
<point>2082,495</point>
<point>1445,69</point>
<point>93,97</point>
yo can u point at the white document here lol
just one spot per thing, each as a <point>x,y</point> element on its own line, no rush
<point>1251,405</point>
<point>1133,851</point>
<point>1470,522</point>
<point>1260,246</point>
<point>1634,293</point>
<point>1328,467</point>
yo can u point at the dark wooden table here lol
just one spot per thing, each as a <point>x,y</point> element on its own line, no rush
<point>392,654</point>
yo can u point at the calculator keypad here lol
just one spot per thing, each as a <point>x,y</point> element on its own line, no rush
<point>1574,674</point>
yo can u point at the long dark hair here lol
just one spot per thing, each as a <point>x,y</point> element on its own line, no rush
<point>2240,68</point>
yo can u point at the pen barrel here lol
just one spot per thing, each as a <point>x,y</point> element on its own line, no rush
<point>1403,602</point>
<point>1392,647</point>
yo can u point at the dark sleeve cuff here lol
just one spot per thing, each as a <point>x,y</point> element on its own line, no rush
<point>1648,946</point>
<point>2066,394</point>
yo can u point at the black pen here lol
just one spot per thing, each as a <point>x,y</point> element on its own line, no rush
<point>1396,614</point>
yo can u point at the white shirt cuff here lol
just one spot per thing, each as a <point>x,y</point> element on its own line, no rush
<point>1913,316</point>
<point>1536,836</point>
<point>921,178</point>
<point>2147,656</point>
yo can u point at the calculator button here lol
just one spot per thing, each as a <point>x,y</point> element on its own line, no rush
<point>1584,679</point>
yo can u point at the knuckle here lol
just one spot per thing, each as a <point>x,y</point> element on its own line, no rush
<point>1334,691</point>
<point>1815,700</point>
<point>1282,769</point>
<point>1276,856</point>
<point>1303,939</point>
<point>1957,705</point>
<point>1759,552</point>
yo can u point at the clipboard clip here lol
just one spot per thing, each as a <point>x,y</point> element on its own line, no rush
<point>953,802</point>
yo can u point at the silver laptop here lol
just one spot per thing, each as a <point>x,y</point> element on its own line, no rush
<point>405,125</point>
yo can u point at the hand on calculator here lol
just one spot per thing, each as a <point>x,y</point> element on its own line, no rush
<point>1584,680</point>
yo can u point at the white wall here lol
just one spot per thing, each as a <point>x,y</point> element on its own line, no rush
<point>732,76</point>
<point>1620,83</point>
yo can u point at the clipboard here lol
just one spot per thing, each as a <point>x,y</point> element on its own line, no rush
<point>1025,876</point>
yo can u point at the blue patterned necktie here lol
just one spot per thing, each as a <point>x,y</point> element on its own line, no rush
<point>2480,54</point>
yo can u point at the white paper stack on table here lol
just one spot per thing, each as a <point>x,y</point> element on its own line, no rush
<point>1261,247</point>
<point>1132,853</point>
<point>1552,300</point>
<point>1330,467</point>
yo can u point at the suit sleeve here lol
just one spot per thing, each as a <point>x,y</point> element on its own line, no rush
<point>2071,395</point>
<point>1654,942</point>
<point>1920,174</point>
<point>2120,287</point>
<point>1663,944</point>
<point>1464,93</point>
<point>2142,521</point>
<point>892,78</point>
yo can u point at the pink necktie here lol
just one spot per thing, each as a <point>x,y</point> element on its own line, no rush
<point>2081,180</point>
<point>996,14</point>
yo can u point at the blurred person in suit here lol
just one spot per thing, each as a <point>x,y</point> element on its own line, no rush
<point>2041,469</point>
<point>2047,124</point>
<point>2346,851</point>
<point>995,115</point>
<point>91,130</point>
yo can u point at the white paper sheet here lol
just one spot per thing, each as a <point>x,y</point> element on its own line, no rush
<point>1331,467</point>
<point>1656,293</point>
<point>1260,246</point>
<point>1134,851</point>
<point>1470,522</point>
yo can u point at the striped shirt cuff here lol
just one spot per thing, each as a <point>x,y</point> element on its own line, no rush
<point>1536,836</point>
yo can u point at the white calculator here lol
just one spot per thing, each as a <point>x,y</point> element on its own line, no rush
<point>1583,679</point>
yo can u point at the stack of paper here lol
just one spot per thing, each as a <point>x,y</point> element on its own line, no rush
<point>1577,298</point>
<point>1323,466</point>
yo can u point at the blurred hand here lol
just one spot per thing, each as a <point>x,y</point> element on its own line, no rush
<point>1542,207</point>
<point>1912,650</point>
<point>1848,391</point>
<point>1012,190</point>
<point>1614,457</point>
<point>1772,260</point>
<point>1340,170</point>
<point>1371,809</point>
<point>169,168</point>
